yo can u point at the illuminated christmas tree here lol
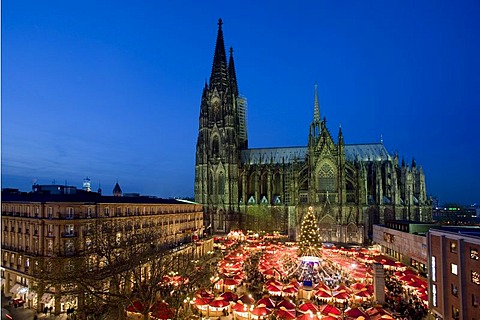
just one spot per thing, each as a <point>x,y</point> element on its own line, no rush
<point>309,269</point>
<point>309,235</point>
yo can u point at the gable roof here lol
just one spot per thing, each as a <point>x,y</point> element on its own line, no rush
<point>361,152</point>
<point>366,152</point>
<point>273,155</point>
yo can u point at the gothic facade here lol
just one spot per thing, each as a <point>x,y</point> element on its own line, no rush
<point>350,186</point>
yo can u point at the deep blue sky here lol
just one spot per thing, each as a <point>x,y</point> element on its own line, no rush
<point>111,89</point>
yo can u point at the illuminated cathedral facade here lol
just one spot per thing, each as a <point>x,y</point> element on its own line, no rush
<point>350,186</point>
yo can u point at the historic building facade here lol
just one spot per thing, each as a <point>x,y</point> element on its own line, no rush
<point>350,186</point>
<point>63,224</point>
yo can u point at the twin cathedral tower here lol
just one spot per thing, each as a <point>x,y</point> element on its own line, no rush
<point>350,186</point>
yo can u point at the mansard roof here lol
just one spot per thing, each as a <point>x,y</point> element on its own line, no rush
<point>85,198</point>
<point>361,152</point>
<point>366,152</point>
<point>273,155</point>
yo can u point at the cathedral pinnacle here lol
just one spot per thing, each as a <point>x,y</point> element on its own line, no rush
<point>231,73</point>
<point>316,108</point>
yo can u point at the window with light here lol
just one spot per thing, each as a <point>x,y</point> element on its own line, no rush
<point>454,269</point>
<point>434,269</point>
<point>453,247</point>
<point>474,253</point>
<point>476,277</point>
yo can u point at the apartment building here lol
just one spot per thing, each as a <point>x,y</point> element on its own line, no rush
<point>36,225</point>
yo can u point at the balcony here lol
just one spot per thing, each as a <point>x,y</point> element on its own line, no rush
<point>69,253</point>
<point>88,232</point>
<point>8,247</point>
<point>66,216</point>
<point>69,234</point>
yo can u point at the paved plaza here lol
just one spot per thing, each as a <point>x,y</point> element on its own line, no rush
<point>259,278</point>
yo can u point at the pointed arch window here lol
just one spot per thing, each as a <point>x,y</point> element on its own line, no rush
<point>264,184</point>
<point>210,184</point>
<point>221,220</point>
<point>252,184</point>
<point>277,184</point>
<point>215,147</point>
<point>221,184</point>
<point>326,178</point>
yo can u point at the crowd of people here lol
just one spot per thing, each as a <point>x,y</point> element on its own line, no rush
<point>398,300</point>
<point>401,302</point>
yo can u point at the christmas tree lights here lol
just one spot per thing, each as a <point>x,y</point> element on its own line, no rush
<point>310,243</point>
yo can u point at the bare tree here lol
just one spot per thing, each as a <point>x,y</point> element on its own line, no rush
<point>118,269</point>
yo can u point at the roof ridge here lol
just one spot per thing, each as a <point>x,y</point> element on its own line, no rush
<point>276,148</point>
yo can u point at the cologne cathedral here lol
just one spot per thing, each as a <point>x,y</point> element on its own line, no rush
<point>350,186</point>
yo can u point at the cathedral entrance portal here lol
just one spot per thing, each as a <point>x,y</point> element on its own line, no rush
<point>327,229</point>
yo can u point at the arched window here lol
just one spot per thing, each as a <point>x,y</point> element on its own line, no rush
<point>277,184</point>
<point>264,184</point>
<point>221,219</point>
<point>210,184</point>
<point>215,147</point>
<point>221,184</point>
<point>251,184</point>
<point>326,178</point>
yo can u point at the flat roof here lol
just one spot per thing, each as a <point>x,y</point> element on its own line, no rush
<point>471,231</point>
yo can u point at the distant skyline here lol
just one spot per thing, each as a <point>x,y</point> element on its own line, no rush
<point>111,90</point>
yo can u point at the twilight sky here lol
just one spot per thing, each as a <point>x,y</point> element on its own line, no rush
<point>111,89</point>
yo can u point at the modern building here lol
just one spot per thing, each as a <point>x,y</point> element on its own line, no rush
<point>63,224</point>
<point>350,186</point>
<point>454,272</point>
<point>456,215</point>
<point>405,241</point>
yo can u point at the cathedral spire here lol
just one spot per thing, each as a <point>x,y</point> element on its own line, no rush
<point>219,75</point>
<point>232,74</point>
<point>316,107</point>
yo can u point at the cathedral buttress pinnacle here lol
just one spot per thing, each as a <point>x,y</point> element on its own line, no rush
<point>316,107</point>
